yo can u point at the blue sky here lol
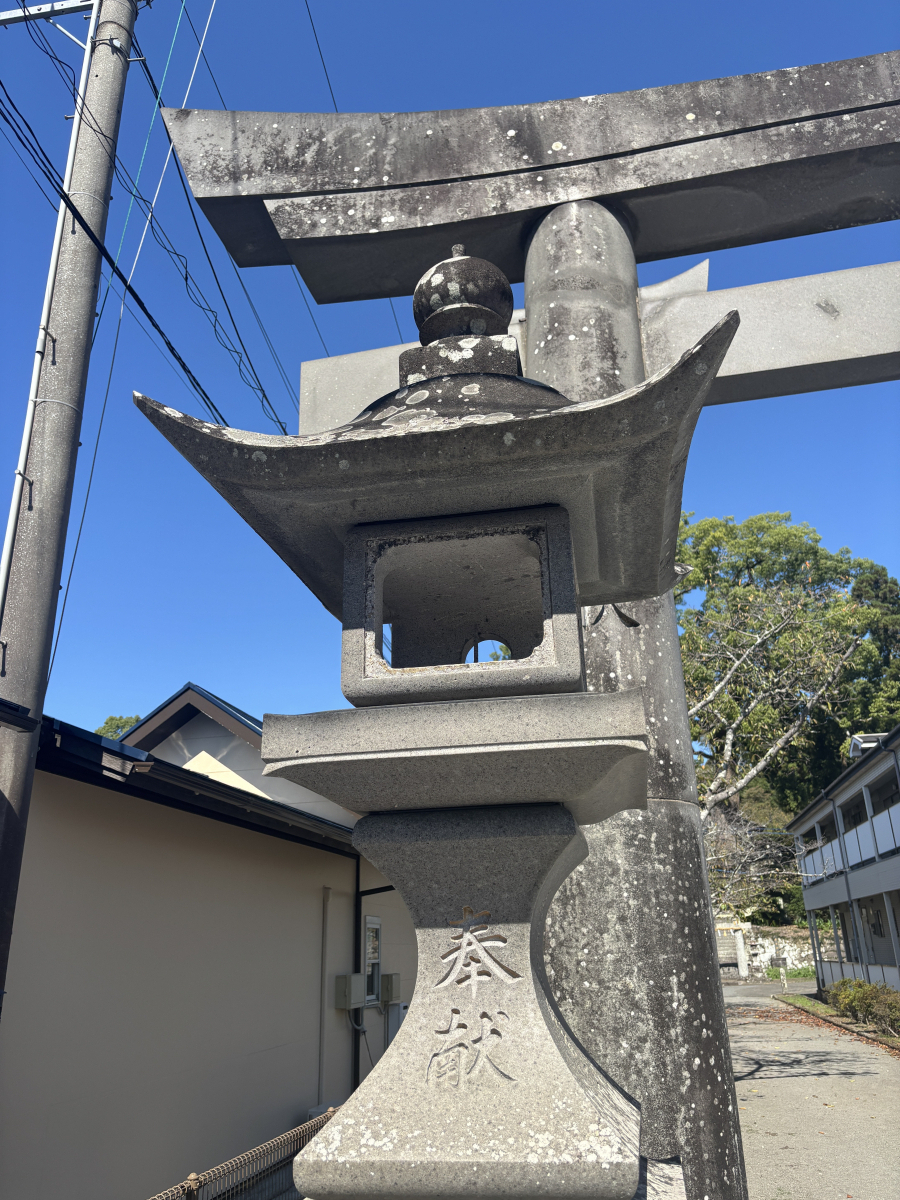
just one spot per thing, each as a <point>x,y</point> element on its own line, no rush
<point>169,584</point>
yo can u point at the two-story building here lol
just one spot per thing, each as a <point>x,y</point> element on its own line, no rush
<point>848,843</point>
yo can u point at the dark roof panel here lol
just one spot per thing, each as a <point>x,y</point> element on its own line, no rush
<point>183,706</point>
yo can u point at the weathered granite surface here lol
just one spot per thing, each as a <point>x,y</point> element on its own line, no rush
<point>614,922</point>
<point>471,355</point>
<point>837,329</point>
<point>483,1092</point>
<point>584,333</point>
<point>360,200</point>
<point>462,295</point>
<point>634,922</point>
<point>583,750</point>
<point>445,584</point>
<point>660,1180</point>
<point>616,465</point>
<point>634,925</point>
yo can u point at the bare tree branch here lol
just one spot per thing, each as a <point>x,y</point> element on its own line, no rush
<point>736,666</point>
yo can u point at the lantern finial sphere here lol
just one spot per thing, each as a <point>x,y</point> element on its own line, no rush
<point>462,295</point>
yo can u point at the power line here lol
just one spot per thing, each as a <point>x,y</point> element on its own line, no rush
<point>62,68</point>
<point>203,55</point>
<point>39,157</point>
<point>140,169</point>
<point>112,363</point>
<point>156,346</point>
<point>299,280</point>
<point>285,378</point>
<point>268,340</point>
<point>87,494</point>
<point>42,160</point>
<point>272,414</point>
<point>336,109</point>
<point>193,290</point>
<point>394,315</point>
<point>255,383</point>
<point>28,169</point>
<point>269,343</point>
<point>321,55</point>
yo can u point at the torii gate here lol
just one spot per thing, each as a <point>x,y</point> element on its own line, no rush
<point>568,195</point>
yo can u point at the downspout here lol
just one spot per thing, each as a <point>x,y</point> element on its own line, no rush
<point>323,988</point>
<point>356,1017</point>
<point>814,943</point>
<point>837,943</point>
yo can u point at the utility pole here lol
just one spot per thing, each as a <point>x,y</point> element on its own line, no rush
<point>31,566</point>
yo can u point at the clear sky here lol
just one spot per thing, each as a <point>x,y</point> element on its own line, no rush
<point>169,584</point>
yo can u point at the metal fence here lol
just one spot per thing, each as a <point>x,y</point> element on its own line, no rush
<point>261,1174</point>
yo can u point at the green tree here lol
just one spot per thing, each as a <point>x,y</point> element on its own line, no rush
<point>788,648</point>
<point>115,728</point>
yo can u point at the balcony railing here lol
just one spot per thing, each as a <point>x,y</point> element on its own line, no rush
<point>820,863</point>
<point>860,843</point>
<point>887,829</point>
<point>882,832</point>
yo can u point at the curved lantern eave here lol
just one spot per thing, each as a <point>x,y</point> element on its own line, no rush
<point>616,464</point>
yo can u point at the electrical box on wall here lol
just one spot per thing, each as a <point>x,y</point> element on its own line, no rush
<point>390,989</point>
<point>350,991</point>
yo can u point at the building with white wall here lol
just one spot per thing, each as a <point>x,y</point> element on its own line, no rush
<point>179,927</point>
<point>848,843</point>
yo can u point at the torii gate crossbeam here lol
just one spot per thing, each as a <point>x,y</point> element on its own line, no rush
<point>692,167</point>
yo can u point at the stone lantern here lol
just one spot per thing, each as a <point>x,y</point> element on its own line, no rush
<point>472,504</point>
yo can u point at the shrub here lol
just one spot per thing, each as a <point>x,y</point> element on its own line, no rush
<point>867,1003</point>
<point>886,1012</point>
<point>838,995</point>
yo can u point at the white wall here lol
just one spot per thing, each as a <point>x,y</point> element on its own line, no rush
<point>202,733</point>
<point>163,994</point>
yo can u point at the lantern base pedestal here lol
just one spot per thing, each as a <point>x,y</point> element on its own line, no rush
<point>483,1091</point>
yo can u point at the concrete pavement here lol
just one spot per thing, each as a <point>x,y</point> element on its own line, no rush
<point>818,1108</point>
<point>760,994</point>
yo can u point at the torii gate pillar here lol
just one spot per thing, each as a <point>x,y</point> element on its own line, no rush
<point>634,921</point>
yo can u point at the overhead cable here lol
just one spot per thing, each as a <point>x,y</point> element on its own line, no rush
<point>299,279</point>
<point>133,189</point>
<point>15,151</point>
<point>38,155</point>
<point>253,381</point>
<point>194,292</point>
<point>321,55</point>
<point>336,109</point>
<point>203,56</point>
<point>268,340</point>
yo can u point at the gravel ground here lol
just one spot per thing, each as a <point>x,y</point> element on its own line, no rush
<point>818,1107</point>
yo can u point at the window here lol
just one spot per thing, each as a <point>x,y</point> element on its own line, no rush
<point>829,832</point>
<point>372,957</point>
<point>854,812</point>
<point>884,793</point>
